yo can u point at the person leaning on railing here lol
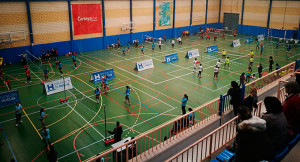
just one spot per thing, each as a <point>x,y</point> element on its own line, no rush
<point>235,93</point>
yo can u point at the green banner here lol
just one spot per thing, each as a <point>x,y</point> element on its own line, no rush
<point>165,13</point>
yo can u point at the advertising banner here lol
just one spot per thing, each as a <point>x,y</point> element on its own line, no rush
<point>9,98</point>
<point>236,43</point>
<point>143,65</point>
<point>260,37</point>
<point>192,53</point>
<point>212,49</point>
<point>58,85</point>
<point>96,77</point>
<point>171,58</point>
<point>86,18</point>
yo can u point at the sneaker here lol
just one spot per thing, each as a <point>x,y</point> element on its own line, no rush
<point>30,81</point>
<point>21,121</point>
<point>17,125</point>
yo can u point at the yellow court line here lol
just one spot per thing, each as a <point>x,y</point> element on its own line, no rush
<point>32,124</point>
<point>62,117</point>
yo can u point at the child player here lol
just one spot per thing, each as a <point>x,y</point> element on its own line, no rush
<point>153,45</point>
<point>223,36</point>
<point>123,51</point>
<point>128,46</point>
<point>202,35</point>
<point>195,64</point>
<point>74,60</point>
<point>215,37</point>
<point>251,53</point>
<point>105,83</point>
<point>28,75</point>
<point>251,60</point>
<point>208,37</point>
<point>7,83</point>
<point>257,45</point>
<point>173,42</point>
<point>60,67</point>
<point>127,93</point>
<point>200,70</point>
<point>46,71</point>
<point>216,72</point>
<point>261,48</point>
<point>227,62</point>
<point>97,93</point>
<point>223,54</point>
<point>102,81</point>
<point>218,64</point>
<point>142,50</point>
<point>277,45</point>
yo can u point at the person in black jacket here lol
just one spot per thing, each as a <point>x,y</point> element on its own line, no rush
<point>117,132</point>
<point>251,100</point>
<point>235,93</point>
<point>52,155</point>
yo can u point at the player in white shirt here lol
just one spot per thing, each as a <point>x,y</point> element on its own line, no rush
<point>159,43</point>
<point>216,72</point>
<point>200,70</point>
<point>179,41</point>
<point>173,42</point>
<point>218,64</point>
<point>195,64</point>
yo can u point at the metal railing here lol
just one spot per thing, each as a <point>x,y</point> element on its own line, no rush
<point>161,135</point>
<point>157,137</point>
<point>211,143</point>
<point>267,81</point>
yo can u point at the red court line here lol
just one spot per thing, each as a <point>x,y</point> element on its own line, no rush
<point>126,109</point>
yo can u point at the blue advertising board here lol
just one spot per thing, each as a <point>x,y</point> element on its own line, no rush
<point>212,49</point>
<point>171,58</point>
<point>249,40</point>
<point>96,77</point>
<point>9,98</point>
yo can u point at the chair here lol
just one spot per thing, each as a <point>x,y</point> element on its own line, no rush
<point>225,156</point>
<point>280,156</point>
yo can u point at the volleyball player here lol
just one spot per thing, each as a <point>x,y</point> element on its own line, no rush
<point>123,51</point>
<point>200,70</point>
<point>127,93</point>
<point>97,93</point>
<point>224,54</point>
<point>60,67</point>
<point>227,62</point>
<point>46,71</point>
<point>105,83</point>
<point>216,72</point>
<point>142,50</point>
<point>74,60</point>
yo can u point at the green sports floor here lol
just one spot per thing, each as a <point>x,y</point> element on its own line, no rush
<point>77,128</point>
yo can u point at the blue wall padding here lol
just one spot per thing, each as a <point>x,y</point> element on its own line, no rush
<point>91,44</point>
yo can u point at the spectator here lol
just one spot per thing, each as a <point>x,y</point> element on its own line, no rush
<point>117,132</point>
<point>298,77</point>
<point>52,154</point>
<point>291,108</point>
<point>277,66</point>
<point>191,117</point>
<point>259,69</point>
<point>252,142</point>
<point>276,124</point>
<point>242,79</point>
<point>251,100</point>
<point>235,93</point>
<point>271,62</point>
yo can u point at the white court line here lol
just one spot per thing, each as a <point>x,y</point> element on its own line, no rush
<point>123,70</point>
<point>86,121</point>
<point>111,135</point>
<point>54,107</point>
<point>172,78</point>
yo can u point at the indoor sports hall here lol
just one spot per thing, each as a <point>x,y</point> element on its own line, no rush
<point>72,69</point>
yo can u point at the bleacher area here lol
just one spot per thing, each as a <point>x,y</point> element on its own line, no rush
<point>218,153</point>
<point>209,143</point>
